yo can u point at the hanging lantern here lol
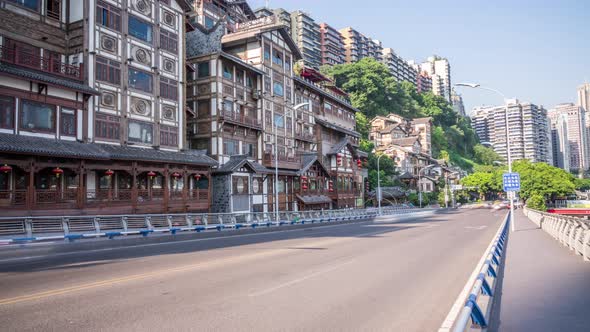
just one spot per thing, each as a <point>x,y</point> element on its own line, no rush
<point>5,169</point>
<point>304,186</point>
<point>197,177</point>
<point>339,159</point>
<point>304,178</point>
<point>176,175</point>
<point>151,174</point>
<point>331,186</point>
<point>359,163</point>
<point>57,171</point>
<point>109,172</point>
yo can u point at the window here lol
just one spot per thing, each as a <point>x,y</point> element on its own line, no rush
<point>227,71</point>
<point>140,29</point>
<point>277,57</point>
<point>250,81</point>
<point>7,112</point>
<point>287,64</point>
<point>108,71</point>
<point>108,15</point>
<point>249,149</point>
<point>203,108</point>
<point>209,22</point>
<point>240,77</point>
<point>230,147</point>
<point>107,127</point>
<point>140,80</point>
<point>266,83</point>
<point>140,132</point>
<point>37,117</point>
<point>168,41</point>
<point>30,4</point>
<point>203,69</point>
<point>277,89</point>
<point>168,88</point>
<point>67,123</point>
<point>168,136</point>
<point>54,9</point>
<point>279,121</point>
<point>266,52</point>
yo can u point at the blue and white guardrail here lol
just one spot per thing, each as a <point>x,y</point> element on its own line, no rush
<point>19,230</point>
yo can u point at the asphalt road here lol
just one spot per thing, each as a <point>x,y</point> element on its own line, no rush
<point>387,275</point>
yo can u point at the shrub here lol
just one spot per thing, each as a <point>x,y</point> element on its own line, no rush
<point>536,202</point>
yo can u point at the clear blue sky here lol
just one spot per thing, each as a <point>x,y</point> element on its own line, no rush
<point>535,50</point>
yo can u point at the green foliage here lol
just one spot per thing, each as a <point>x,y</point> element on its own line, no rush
<point>484,155</point>
<point>366,145</point>
<point>480,182</point>
<point>582,184</point>
<point>537,202</point>
<point>387,171</point>
<point>543,179</point>
<point>362,124</point>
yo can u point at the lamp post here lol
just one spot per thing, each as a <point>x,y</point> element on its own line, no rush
<point>473,86</point>
<point>379,180</point>
<point>276,186</point>
<point>420,179</point>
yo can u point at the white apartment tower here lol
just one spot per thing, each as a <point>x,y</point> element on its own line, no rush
<point>527,127</point>
<point>440,70</point>
<point>575,135</point>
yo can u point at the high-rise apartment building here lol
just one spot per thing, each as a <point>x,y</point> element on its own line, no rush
<point>358,46</point>
<point>457,102</point>
<point>528,130</point>
<point>559,141</point>
<point>399,68</point>
<point>575,135</point>
<point>584,96</point>
<point>331,44</point>
<point>93,109</point>
<point>440,71</point>
<point>306,34</point>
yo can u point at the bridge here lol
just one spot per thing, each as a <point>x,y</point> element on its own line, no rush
<point>405,270</point>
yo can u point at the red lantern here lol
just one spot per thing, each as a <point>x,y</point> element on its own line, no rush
<point>359,163</point>
<point>176,175</point>
<point>304,178</point>
<point>339,159</point>
<point>151,174</point>
<point>109,172</point>
<point>331,186</point>
<point>5,169</point>
<point>304,186</point>
<point>57,171</point>
<point>197,177</point>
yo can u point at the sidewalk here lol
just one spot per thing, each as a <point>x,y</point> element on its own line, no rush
<point>545,286</point>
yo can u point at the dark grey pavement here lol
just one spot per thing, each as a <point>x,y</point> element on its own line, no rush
<point>545,286</point>
<point>387,275</point>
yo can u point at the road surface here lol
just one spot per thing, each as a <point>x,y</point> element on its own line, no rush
<point>388,275</point>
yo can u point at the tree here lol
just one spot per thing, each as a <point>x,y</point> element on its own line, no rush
<point>582,184</point>
<point>543,179</point>
<point>537,202</point>
<point>480,182</point>
<point>484,155</point>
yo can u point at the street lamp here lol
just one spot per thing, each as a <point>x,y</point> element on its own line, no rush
<point>420,179</point>
<point>475,85</point>
<point>276,205</point>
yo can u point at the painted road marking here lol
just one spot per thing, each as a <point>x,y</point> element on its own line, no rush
<point>479,228</point>
<point>190,267</point>
<point>298,280</point>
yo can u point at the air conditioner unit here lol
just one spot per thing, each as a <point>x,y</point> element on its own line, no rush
<point>256,94</point>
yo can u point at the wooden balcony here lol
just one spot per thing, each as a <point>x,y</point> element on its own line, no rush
<point>241,119</point>
<point>283,161</point>
<point>25,58</point>
<point>305,136</point>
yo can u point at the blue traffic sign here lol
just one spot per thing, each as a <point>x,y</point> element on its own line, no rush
<point>511,181</point>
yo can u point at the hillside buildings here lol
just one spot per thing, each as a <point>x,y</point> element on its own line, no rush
<point>457,102</point>
<point>528,130</point>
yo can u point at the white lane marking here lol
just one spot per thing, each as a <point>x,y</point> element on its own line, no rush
<point>449,321</point>
<point>479,228</point>
<point>298,280</point>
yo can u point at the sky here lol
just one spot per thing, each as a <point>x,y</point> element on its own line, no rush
<point>535,50</point>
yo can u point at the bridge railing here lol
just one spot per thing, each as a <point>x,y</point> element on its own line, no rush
<point>29,229</point>
<point>478,304</point>
<point>572,232</point>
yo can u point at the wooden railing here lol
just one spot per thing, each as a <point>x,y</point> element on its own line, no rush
<point>14,198</point>
<point>25,58</point>
<point>54,196</point>
<point>241,119</point>
<point>292,162</point>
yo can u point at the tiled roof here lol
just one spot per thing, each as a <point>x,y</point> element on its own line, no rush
<point>40,146</point>
<point>405,141</point>
<point>39,76</point>
<point>421,120</point>
<point>339,146</point>
<point>314,199</point>
<point>236,162</point>
<point>337,127</point>
<point>307,159</point>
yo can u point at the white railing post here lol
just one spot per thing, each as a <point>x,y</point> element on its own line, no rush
<point>65,226</point>
<point>124,223</point>
<point>97,224</point>
<point>29,227</point>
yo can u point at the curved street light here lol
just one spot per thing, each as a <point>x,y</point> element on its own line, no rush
<point>476,85</point>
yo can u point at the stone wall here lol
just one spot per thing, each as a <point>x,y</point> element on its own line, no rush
<point>203,41</point>
<point>221,189</point>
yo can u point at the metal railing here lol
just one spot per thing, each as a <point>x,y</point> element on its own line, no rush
<point>572,232</point>
<point>29,229</point>
<point>477,308</point>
